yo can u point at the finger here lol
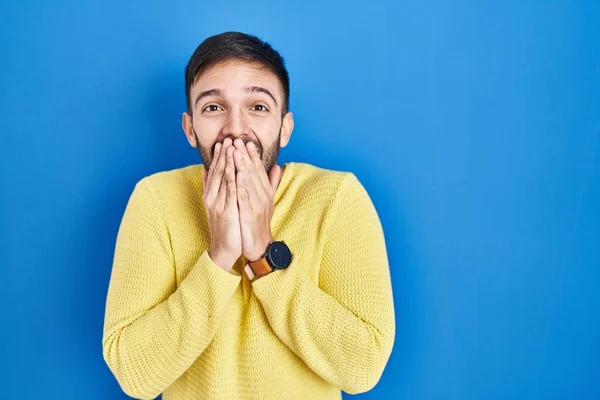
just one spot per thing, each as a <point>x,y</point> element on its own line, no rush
<point>211,171</point>
<point>221,201</point>
<point>258,165</point>
<point>217,178</point>
<point>219,149</point>
<point>231,200</point>
<point>251,172</point>
<point>256,190</point>
<point>275,177</point>
<point>249,184</point>
<point>214,178</point>
<point>242,194</point>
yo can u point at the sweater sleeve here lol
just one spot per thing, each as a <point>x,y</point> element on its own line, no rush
<point>343,328</point>
<point>154,330</point>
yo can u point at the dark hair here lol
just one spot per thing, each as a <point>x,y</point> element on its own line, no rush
<point>235,45</point>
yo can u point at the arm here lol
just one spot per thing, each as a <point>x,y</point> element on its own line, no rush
<point>343,327</point>
<point>154,330</point>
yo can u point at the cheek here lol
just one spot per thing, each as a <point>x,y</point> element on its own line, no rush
<point>207,132</point>
<point>265,128</point>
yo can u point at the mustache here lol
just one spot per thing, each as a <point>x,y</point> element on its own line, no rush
<point>246,140</point>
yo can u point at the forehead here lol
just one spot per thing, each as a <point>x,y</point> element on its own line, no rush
<point>233,76</point>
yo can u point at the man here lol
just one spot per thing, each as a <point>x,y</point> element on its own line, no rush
<point>240,278</point>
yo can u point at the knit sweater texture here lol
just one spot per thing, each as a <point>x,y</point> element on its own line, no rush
<point>178,324</point>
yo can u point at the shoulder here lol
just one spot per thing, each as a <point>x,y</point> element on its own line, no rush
<point>174,185</point>
<point>189,176</point>
<point>320,177</point>
<point>342,197</point>
<point>323,180</point>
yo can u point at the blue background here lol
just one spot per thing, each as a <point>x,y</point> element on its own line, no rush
<point>474,127</point>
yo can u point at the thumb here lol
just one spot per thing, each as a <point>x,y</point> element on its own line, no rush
<point>275,176</point>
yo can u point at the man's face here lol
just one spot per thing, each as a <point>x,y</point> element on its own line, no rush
<point>238,99</point>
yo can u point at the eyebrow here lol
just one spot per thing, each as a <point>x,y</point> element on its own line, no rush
<point>206,93</point>
<point>259,89</point>
<point>219,92</point>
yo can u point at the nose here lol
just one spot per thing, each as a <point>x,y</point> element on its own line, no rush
<point>236,125</point>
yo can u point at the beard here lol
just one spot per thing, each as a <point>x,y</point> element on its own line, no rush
<point>268,156</point>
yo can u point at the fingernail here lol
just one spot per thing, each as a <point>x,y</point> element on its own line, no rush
<point>251,146</point>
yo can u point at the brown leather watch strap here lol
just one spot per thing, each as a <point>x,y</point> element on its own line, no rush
<point>260,267</point>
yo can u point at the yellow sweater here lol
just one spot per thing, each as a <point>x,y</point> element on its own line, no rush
<point>178,324</point>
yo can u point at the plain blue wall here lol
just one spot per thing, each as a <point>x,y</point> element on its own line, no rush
<point>474,127</point>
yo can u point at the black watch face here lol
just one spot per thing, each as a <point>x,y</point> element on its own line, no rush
<point>279,255</point>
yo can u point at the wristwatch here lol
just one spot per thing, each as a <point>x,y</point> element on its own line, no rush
<point>277,256</point>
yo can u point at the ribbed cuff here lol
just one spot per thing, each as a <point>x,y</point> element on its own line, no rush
<point>279,286</point>
<point>212,283</point>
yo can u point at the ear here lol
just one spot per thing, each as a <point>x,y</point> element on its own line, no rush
<point>287,126</point>
<point>186,124</point>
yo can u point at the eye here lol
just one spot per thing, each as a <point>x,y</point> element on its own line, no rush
<point>259,107</point>
<point>211,108</point>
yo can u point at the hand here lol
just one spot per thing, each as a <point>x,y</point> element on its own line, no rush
<point>255,197</point>
<point>220,203</point>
